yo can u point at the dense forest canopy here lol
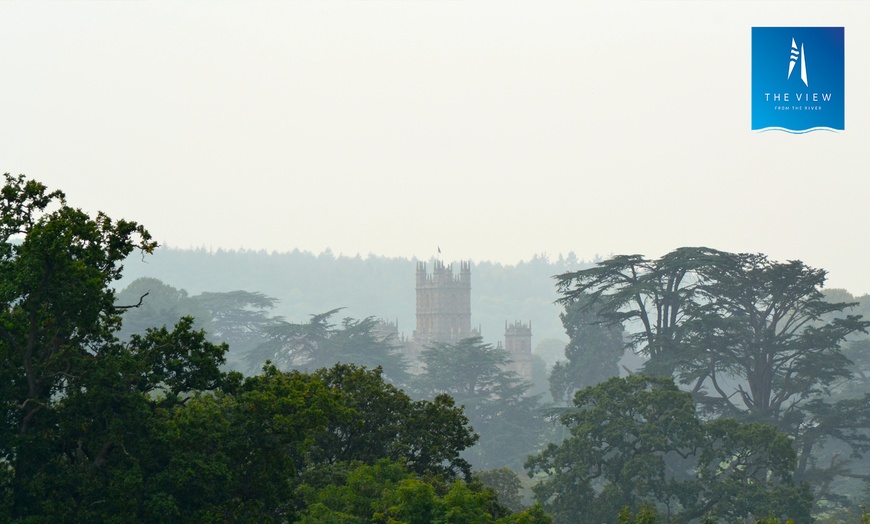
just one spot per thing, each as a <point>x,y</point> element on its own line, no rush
<point>751,338</point>
<point>751,401</point>
<point>148,428</point>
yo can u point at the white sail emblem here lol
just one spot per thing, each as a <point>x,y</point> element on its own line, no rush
<point>795,55</point>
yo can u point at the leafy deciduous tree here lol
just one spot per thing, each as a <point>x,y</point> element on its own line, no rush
<point>638,441</point>
<point>378,421</point>
<point>386,493</point>
<point>506,483</point>
<point>80,408</point>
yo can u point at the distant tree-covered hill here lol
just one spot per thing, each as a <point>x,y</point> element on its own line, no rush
<point>305,283</point>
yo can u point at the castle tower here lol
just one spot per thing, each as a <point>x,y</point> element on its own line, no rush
<point>443,304</point>
<point>518,343</point>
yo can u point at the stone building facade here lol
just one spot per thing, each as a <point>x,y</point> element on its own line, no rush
<point>444,316</point>
<point>443,304</point>
<point>518,343</point>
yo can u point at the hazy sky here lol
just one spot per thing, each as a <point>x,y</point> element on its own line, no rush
<point>496,130</point>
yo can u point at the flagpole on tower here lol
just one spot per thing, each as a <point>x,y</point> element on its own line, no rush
<point>439,253</point>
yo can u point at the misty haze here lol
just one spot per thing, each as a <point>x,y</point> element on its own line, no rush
<point>432,262</point>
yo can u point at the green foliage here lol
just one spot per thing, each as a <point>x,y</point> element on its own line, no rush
<point>593,352</point>
<point>506,483</point>
<point>56,317</point>
<point>274,446</point>
<point>622,432</point>
<point>149,303</point>
<point>236,318</point>
<point>752,338</point>
<point>638,441</point>
<point>747,468</point>
<point>387,493</point>
<point>234,456</point>
<point>759,320</point>
<point>495,400</point>
<point>645,515</point>
<point>652,296</point>
<point>148,429</point>
<point>320,344</point>
<point>375,420</point>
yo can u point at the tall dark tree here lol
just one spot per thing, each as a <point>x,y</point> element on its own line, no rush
<point>75,400</point>
<point>759,321</point>
<point>238,318</point>
<point>495,400</point>
<point>593,353</point>
<point>751,337</point>
<point>653,296</point>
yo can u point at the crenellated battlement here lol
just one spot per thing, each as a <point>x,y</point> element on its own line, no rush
<point>443,274</point>
<point>518,343</point>
<point>517,328</point>
<point>444,316</point>
<point>443,303</point>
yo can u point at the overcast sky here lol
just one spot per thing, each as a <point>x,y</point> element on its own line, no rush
<point>496,130</point>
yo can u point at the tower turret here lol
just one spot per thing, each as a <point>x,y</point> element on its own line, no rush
<point>518,343</point>
<point>443,303</point>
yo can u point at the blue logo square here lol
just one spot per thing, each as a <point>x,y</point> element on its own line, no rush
<point>798,79</point>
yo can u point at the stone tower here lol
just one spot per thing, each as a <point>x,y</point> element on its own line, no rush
<point>518,343</point>
<point>443,304</point>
